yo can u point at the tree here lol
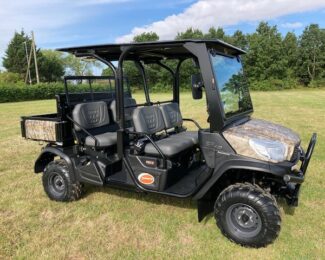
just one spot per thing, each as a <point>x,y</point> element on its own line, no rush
<point>130,69</point>
<point>51,66</point>
<point>15,60</point>
<point>78,66</point>
<point>239,40</point>
<point>9,77</point>
<point>190,33</point>
<point>311,54</point>
<point>15,56</point>
<point>264,60</point>
<point>146,37</point>
<point>290,48</point>
<point>218,33</point>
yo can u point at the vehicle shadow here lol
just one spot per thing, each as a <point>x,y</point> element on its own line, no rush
<point>153,198</point>
<point>288,210</point>
<point>159,199</point>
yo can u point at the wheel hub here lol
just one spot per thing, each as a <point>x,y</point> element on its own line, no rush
<point>246,217</point>
<point>58,183</point>
<point>243,220</point>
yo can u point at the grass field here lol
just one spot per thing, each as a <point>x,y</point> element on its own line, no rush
<point>111,224</point>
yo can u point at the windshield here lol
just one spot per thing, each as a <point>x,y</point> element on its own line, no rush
<point>232,84</point>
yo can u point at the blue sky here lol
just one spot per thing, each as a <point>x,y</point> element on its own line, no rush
<point>60,23</point>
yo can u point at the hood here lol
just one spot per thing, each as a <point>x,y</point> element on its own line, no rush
<point>239,135</point>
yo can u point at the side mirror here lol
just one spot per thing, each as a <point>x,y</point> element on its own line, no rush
<point>197,86</point>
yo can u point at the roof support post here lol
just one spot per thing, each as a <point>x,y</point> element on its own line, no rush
<point>120,102</point>
<point>110,65</point>
<point>173,75</point>
<point>176,88</point>
<point>145,84</point>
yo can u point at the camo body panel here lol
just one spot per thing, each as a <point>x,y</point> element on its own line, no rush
<point>239,136</point>
<point>40,130</point>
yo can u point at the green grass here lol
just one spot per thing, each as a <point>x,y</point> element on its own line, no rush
<point>110,224</point>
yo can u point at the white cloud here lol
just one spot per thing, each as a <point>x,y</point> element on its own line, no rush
<point>206,13</point>
<point>294,25</point>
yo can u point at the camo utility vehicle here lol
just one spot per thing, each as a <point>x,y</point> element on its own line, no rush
<point>234,168</point>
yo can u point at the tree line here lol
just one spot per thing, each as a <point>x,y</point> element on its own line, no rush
<point>273,61</point>
<point>52,65</point>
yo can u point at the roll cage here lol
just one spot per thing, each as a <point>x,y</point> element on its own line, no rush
<point>155,53</point>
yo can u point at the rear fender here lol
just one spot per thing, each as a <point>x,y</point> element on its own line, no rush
<point>48,154</point>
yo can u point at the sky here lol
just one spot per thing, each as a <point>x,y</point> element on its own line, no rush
<point>62,23</point>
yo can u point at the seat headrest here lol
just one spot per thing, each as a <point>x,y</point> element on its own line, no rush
<point>148,120</point>
<point>127,110</point>
<point>172,115</point>
<point>90,115</point>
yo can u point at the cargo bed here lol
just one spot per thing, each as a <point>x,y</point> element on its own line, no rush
<point>48,128</point>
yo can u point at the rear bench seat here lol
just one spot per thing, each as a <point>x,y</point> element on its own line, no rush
<point>93,117</point>
<point>150,120</point>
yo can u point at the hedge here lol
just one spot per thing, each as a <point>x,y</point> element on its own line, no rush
<point>11,92</point>
<point>22,92</point>
<point>274,84</point>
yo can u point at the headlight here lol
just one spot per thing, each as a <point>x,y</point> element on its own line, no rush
<point>272,150</point>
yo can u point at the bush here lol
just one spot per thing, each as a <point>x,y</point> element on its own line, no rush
<point>11,92</point>
<point>160,87</point>
<point>9,77</point>
<point>320,83</point>
<point>22,92</point>
<point>274,84</point>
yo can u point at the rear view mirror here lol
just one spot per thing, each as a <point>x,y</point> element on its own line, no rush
<point>197,86</point>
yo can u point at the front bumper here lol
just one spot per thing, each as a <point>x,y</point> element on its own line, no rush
<point>297,177</point>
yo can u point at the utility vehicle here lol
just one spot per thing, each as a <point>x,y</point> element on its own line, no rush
<point>235,168</point>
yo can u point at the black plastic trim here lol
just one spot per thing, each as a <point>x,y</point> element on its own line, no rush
<point>47,155</point>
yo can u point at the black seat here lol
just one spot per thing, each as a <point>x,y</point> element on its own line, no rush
<point>93,117</point>
<point>173,120</point>
<point>169,147</point>
<point>129,106</point>
<point>150,120</point>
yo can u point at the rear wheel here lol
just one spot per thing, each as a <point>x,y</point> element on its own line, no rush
<point>58,184</point>
<point>248,215</point>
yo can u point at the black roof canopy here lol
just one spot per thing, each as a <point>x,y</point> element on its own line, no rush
<point>150,50</point>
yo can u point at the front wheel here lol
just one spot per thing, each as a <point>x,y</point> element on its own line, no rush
<point>248,215</point>
<point>58,184</point>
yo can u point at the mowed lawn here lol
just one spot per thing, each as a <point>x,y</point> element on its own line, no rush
<point>113,224</point>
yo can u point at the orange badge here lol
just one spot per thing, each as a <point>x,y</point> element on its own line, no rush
<point>146,178</point>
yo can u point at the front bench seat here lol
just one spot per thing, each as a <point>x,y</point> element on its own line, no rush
<point>173,120</point>
<point>93,117</point>
<point>150,120</point>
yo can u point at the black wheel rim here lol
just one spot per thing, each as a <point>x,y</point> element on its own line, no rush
<point>243,220</point>
<point>57,184</point>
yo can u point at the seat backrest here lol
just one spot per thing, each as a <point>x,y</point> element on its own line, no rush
<point>148,120</point>
<point>128,111</point>
<point>172,115</point>
<point>90,115</point>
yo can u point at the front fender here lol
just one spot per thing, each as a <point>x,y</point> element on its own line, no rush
<point>47,155</point>
<point>235,162</point>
